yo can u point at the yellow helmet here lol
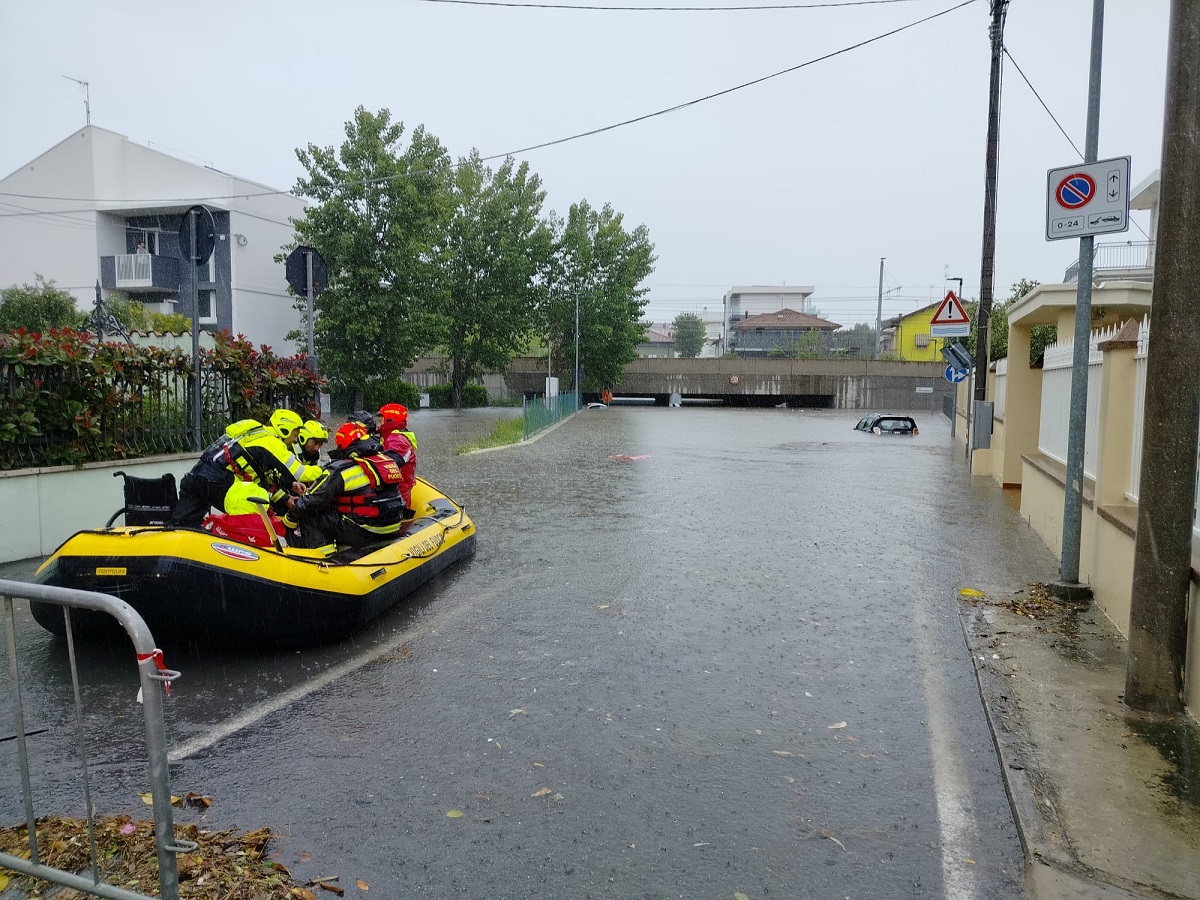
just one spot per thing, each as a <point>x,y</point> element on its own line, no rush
<point>285,422</point>
<point>312,429</point>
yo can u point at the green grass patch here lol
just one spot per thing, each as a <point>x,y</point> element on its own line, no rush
<point>507,431</point>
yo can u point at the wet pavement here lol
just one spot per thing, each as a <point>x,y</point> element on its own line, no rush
<point>699,652</point>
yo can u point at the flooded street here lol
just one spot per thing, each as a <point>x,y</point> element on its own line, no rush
<point>699,652</point>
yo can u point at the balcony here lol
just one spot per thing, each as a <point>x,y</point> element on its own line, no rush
<point>140,273</point>
<point>1132,261</point>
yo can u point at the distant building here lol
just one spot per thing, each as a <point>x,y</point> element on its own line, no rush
<point>659,342</point>
<point>907,336</point>
<point>784,330</point>
<point>740,302</point>
<point>98,207</point>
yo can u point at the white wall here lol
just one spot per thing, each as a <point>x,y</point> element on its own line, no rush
<point>262,307</point>
<point>56,502</point>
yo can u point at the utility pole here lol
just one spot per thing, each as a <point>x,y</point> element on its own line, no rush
<point>1068,586</point>
<point>879,314</point>
<point>988,265</point>
<point>1162,550</point>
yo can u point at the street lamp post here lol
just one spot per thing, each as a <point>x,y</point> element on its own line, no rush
<point>578,394</point>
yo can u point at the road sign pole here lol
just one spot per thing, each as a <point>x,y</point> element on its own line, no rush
<point>197,439</point>
<point>1068,584</point>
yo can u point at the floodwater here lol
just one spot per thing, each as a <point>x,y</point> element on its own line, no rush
<point>699,652</point>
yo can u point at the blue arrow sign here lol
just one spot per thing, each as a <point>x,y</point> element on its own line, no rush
<point>954,375</point>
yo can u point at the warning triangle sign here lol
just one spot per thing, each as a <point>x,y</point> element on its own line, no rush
<point>950,312</point>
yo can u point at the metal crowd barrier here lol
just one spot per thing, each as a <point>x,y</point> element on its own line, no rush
<point>152,674</point>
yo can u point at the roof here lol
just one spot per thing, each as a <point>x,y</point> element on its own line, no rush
<point>658,334</point>
<point>785,319</point>
<point>896,320</point>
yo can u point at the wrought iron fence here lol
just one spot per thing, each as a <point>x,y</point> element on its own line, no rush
<point>144,412</point>
<point>541,413</point>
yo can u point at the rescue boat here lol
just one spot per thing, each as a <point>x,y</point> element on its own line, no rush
<point>211,587</point>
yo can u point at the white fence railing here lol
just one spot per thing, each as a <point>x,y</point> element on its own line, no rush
<point>1139,423</point>
<point>134,267</point>
<point>1056,399</point>
<point>1001,387</point>
<point>1139,411</point>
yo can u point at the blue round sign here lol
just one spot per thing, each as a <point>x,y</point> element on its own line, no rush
<point>1075,190</point>
<point>954,374</point>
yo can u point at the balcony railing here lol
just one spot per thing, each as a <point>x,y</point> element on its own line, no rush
<point>1132,257</point>
<point>140,272</point>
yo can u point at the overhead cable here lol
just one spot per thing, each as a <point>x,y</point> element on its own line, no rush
<point>544,144</point>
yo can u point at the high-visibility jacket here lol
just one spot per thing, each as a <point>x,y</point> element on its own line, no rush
<point>364,489</point>
<point>253,452</point>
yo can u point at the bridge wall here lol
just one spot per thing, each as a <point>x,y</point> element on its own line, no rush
<point>834,383</point>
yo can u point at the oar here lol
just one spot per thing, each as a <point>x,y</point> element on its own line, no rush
<point>276,539</point>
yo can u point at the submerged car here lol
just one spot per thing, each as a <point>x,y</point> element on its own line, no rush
<point>882,424</point>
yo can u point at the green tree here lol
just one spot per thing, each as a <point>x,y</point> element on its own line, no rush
<point>690,335</point>
<point>379,210</point>
<point>495,247</point>
<point>38,307</point>
<point>133,316</point>
<point>599,265</point>
<point>1041,335</point>
<point>807,346</point>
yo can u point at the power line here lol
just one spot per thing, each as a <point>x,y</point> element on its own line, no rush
<point>679,106</point>
<point>1043,102</point>
<point>1020,72</point>
<point>590,8</point>
<point>544,144</point>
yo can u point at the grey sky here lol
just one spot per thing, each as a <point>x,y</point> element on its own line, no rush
<point>807,178</point>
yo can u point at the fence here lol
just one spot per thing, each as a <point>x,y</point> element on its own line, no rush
<point>539,414</point>
<point>1139,422</point>
<point>1056,399</point>
<point>70,413</point>
<point>152,674</point>
<point>1001,388</point>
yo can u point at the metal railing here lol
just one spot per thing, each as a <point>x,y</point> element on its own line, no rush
<point>134,267</point>
<point>542,413</point>
<point>1131,255</point>
<point>152,673</point>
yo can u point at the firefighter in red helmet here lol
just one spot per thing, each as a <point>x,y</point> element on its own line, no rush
<point>400,444</point>
<point>356,501</point>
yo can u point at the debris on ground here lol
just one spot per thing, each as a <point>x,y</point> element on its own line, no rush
<point>1036,603</point>
<point>226,865</point>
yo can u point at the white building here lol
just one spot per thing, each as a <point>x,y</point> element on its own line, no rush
<point>743,302</point>
<point>78,213</point>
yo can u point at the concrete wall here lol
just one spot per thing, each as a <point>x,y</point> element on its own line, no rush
<point>853,384</point>
<point>56,502</point>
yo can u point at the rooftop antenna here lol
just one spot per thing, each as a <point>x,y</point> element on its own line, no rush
<point>87,96</point>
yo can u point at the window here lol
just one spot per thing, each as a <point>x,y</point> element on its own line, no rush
<point>921,340</point>
<point>207,305</point>
<point>205,272</point>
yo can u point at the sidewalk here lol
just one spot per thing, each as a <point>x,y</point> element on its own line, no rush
<point>1107,802</point>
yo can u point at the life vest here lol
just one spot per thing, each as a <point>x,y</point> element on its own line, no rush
<point>412,438</point>
<point>369,484</point>
<point>230,451</point>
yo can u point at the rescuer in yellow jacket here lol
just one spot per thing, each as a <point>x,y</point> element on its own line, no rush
<point>357,500</point>
<point>247,451</point>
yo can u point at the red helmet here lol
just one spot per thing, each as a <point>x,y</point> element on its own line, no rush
<point>349,434</point>
<point>393,417</point>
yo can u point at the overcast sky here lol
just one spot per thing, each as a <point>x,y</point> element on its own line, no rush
<point>806,179</point>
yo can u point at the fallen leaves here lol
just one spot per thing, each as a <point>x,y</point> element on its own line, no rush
<point>541,792</point>
<point>227,865</point>
<point>836,726</point>
<point>454,814</point>
<point>517,712</point>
